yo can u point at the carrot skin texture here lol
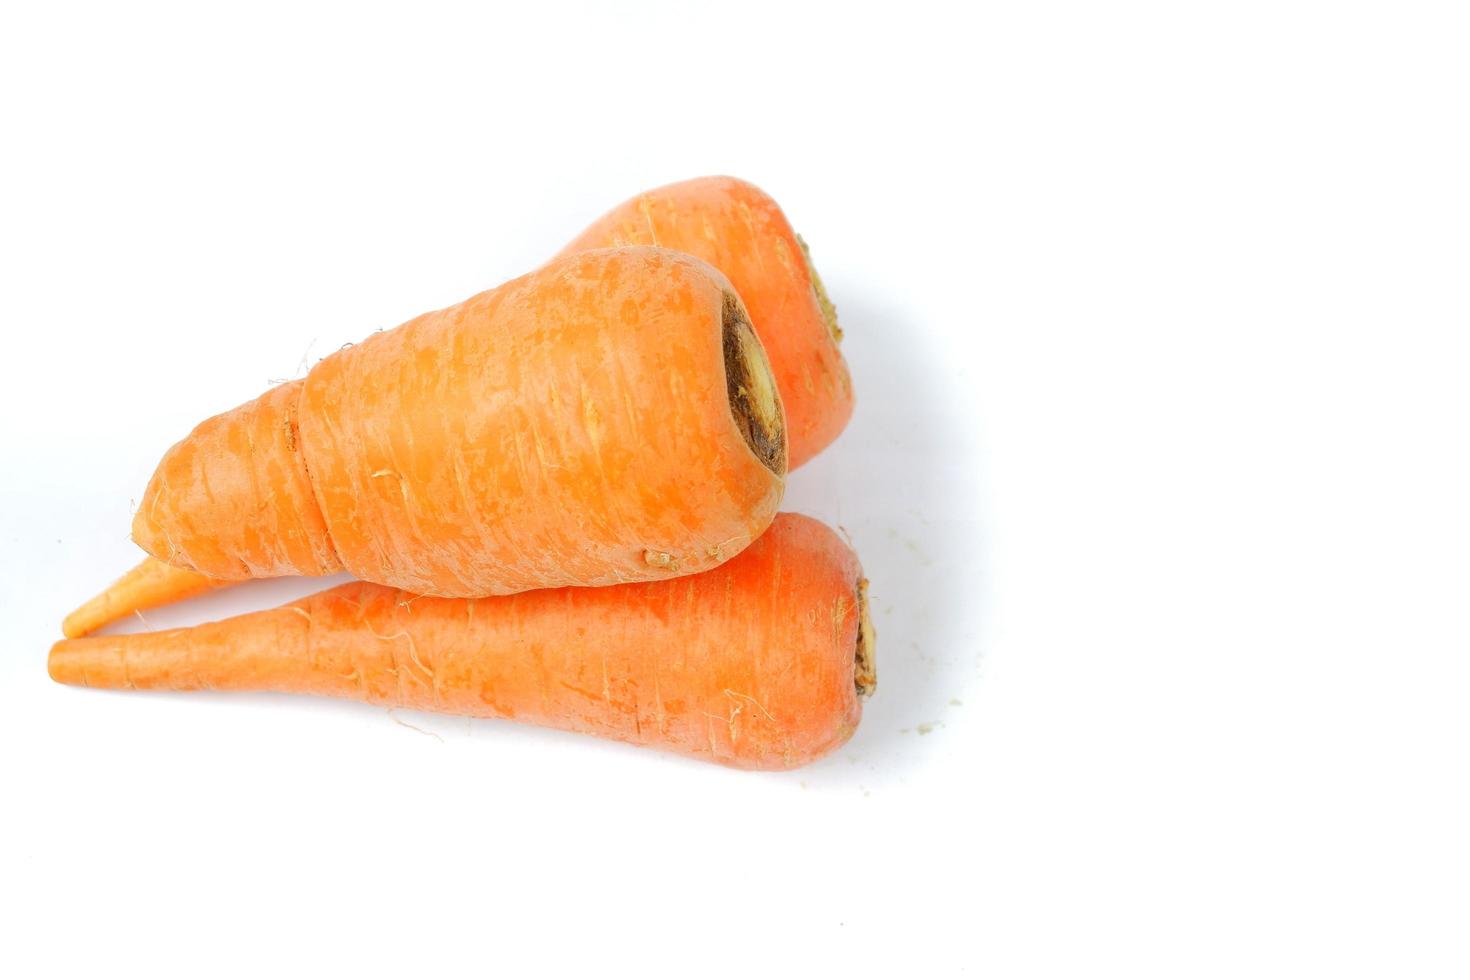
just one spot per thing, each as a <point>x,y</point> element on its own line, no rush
<point>727,222</point>
<point>234,499</point>
<point>740,230</point>
<point>557,430</point>
<point>148,584</point>
<point>750,664</point>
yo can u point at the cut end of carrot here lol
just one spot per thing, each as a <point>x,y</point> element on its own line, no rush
<point>829,312</point>
<point>865,666</point>
<point>754,400</point>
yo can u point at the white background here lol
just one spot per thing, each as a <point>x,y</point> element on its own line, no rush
<point>1157,315</point>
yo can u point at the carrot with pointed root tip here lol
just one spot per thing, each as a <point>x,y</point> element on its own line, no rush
<point>607,418</point>
<point>740,230</point>
<point>149,584</point>
<point>757,664</point>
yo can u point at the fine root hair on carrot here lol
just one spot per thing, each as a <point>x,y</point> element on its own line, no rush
<point>413,728</point>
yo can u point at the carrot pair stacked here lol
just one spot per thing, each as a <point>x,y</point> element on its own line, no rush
<point>621,418</point>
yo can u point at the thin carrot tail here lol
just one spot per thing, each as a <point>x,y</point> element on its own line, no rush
<point>149,584</point>
<point>259,651</point>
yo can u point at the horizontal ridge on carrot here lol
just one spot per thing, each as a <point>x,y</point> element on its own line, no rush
<point>610,417</point>
<point>758,663</point>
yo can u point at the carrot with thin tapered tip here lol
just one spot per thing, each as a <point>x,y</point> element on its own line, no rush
<point>758,663</point>
<point>151,583</point>
<point>608,418</point>
<point>740,230</point>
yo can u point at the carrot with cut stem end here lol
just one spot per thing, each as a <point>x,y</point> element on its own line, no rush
<point>740,230</point>
<point>758,664</point>
<point>608,418</point>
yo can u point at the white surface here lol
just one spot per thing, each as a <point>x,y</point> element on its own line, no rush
<point>1157,316</point>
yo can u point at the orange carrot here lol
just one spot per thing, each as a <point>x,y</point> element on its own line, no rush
<point>737,228</point>
<point>151,583</point>
<point>758,663</point>
<point>608,418</point>
<point>740,230</point>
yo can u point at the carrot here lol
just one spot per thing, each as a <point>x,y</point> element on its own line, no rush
<point>607,418</point>
<point>737,228</point>
<point>758,663</point>
<point>151,583</point>
<point>740,230</point>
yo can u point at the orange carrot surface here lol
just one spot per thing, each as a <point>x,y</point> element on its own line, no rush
<point>740,230</point>
<point>731,224</point>
<point>757,664</point>
<point>610,417</point>
<point>150,583</point>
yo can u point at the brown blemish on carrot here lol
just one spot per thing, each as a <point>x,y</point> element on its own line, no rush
<point>865,666</point>
<point>754,402</point>
<point>829,311</point>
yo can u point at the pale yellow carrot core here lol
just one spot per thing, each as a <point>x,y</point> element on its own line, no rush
<point>754,401</point>
<point>829,312</point>
<point>865,666</point>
